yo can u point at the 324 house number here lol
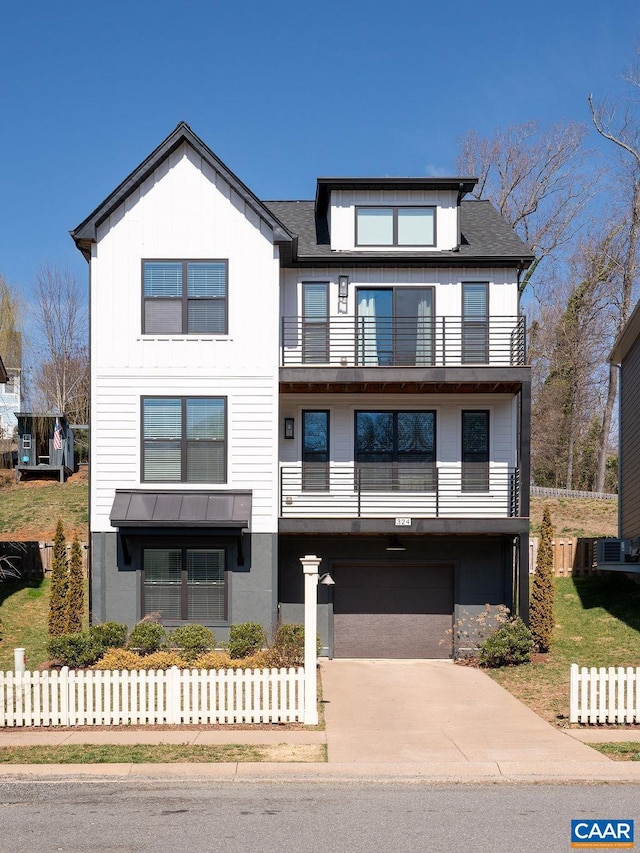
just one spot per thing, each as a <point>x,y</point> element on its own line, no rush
<point>403,522</point>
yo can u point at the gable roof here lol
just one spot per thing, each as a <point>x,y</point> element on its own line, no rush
<point>3,373</point>
<point>86,233</point>
<point>486,239</point>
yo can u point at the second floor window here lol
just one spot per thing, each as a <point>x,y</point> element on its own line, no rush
<point>184,297</point>
<point>395,226</point>
<point>396,450</point>
<point>184,439</point>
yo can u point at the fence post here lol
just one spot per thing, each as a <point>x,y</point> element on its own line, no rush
<point>18,660</point>
<point>573,694</point>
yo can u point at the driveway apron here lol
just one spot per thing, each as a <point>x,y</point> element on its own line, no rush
<point>426,711</point>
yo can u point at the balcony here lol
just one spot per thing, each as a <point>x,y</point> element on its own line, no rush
<point>471,490</point>
<point>375,342</point>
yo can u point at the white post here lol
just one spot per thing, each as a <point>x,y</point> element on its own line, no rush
<point>18,660</point>
<point>310,565</point>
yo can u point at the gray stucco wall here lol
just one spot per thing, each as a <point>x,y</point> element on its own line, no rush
<point>483,570</point>
<point>630,444</point>
<point>252,587</point>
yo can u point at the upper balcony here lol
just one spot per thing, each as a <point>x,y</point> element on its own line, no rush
<point>379,342</point>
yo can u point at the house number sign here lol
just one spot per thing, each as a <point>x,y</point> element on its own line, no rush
<point>403,522</point>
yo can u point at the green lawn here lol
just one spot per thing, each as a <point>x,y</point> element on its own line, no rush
<point>597,624</point>
<point>161,753</point>
<point>32,509</point>
<point>24,614</point>
<point>626,751</point>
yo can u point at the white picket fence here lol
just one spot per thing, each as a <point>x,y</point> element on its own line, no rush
<point>106,698</point>
<point>601,695</point>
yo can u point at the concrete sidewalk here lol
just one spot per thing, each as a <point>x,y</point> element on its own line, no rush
<point>427,721</point>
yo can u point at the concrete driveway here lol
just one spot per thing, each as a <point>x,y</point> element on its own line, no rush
<point>428,711</point>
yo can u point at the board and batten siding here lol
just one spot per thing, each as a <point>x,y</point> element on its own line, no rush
<point>630,444</point>
<point>503,292</point>
<point>185,211</point>
<point>342,215</point>
<point>448,408</point>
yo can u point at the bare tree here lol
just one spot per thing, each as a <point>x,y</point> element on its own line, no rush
<point>536,179</point>
<point>62,378</point>
<point>620,125</point>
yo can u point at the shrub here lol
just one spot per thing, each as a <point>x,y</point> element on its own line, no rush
<point>110,635</point>
<point>258,660</point>
<point>213,660</point>
<point>75,590</point>
<point>192,640</point>
<point>119,659</point>
<point>75,650</point>
<point>147,637</point>
<point>288,646</point>
<point>511,643</point>
<point>541,619</point>
<point>59,582</point>
<point>245,639</point>
<point>471,629</point>
<point>163,660</point>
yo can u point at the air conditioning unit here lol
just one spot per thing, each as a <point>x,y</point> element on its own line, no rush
<point>617,551</point>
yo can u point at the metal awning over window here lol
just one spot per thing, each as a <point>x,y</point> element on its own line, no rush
<point>144,508</point>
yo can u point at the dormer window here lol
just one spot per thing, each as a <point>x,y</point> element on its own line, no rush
<point>395,226</point>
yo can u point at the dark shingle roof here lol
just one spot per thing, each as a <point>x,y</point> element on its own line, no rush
<point>485,235</point>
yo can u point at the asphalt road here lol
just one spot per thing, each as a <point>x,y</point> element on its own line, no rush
<point>256,817</point>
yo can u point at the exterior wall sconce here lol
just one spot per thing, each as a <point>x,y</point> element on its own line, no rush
<point>343,286</point>
<point>289,428</point>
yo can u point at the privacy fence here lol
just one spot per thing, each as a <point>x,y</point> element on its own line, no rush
<point>604,695</point>
<point>107,698</point>
<point>35,559</point>
<point>570,556</point>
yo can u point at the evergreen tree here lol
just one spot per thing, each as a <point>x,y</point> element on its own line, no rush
<point>75,590</point>
<point>541,619</point>
<point>59,584</point>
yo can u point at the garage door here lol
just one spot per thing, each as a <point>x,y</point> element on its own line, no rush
<point>392,611</point>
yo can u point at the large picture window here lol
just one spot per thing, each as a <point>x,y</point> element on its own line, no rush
<point>396,450</point>
<point>184,297</point>
<point>184,584</point>
<point>395,226</point>
<point>184,439</point>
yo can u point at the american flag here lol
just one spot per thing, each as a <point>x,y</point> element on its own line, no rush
<point>57,436</point>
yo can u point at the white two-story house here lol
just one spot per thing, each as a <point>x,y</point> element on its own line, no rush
<point>344,377</point>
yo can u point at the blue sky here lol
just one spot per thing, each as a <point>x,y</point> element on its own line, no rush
<point>282,92</point>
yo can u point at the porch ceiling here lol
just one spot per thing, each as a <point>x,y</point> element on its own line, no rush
<point>399,387</point>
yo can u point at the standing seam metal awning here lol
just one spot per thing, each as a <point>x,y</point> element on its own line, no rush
<point>169,508</point>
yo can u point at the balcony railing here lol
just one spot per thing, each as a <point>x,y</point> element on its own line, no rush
<point>319,490</point>
<point>403,341</point>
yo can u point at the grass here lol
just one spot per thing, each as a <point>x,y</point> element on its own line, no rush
<point>24,612</point>
<point>576,516</point>
<point>625,751</point>
<point>30,510</point>
<point>163,753</point>
<point>597,624</point>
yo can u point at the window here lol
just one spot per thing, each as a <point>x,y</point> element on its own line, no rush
<point>184,439</point>
<point>315,451</point>
<point>395,226</point>
<point>184,297</point>
<point>395,326</point>
<point>475,451</point>
<point>475,322</point>
<point>184,584</point>
<point>396,450</point>
<point>315,322</point>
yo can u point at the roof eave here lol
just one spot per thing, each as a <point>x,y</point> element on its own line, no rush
<point>460,184</point>
<point>86,233</point>
<point>455,259</point>
<point>627,337</point>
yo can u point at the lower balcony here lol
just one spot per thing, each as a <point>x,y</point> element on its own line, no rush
<point>394,490</point>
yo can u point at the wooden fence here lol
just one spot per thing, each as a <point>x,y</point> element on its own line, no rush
<point>108,698</point>
<point>35,559</point>
<point>604,695</point>
<point>570,556</point>
<point>544,492</point>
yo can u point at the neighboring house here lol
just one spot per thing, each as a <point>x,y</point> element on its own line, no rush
<point>343,377</point>
<point>45,446</point>
<point>623,554</point>
<point>10,384</point>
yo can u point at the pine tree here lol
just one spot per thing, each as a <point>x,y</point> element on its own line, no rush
<point>59,584</point>
<point>541,619</point>
<point>75,590</point>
